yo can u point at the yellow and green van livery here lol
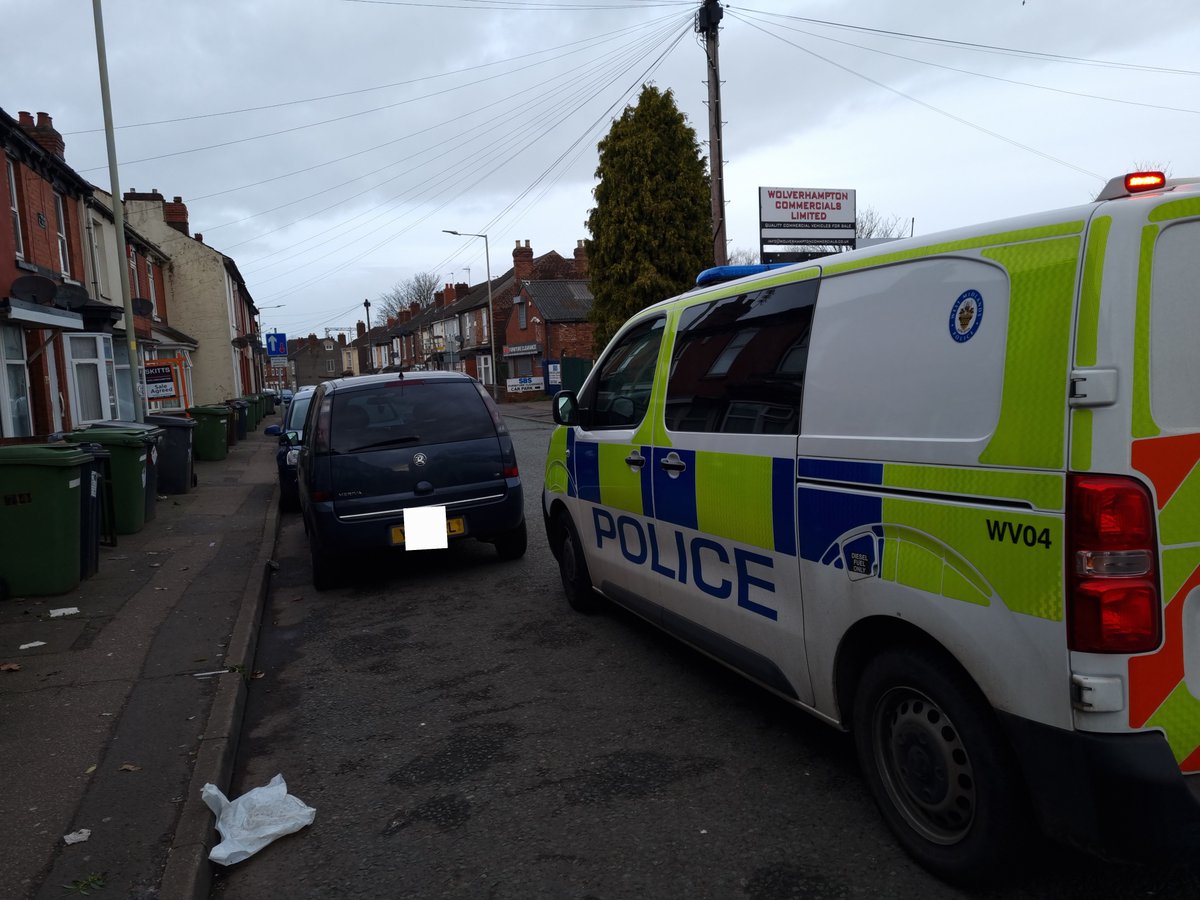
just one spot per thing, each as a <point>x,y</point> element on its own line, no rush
<point>943,493</point>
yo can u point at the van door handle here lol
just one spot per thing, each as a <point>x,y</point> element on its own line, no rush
<point>672,463</point>
<point>635,459</point>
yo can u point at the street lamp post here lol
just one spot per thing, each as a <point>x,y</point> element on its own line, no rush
<point>487,259</point>
<point>370,349</point>
<point>258,311</point>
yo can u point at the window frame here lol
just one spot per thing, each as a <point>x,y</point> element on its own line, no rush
<point>15,206</point>
<point>64,246</point>
<point>7,426</point>
<point>620,357</point>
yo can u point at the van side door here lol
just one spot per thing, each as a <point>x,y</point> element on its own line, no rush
<point>723,545</point>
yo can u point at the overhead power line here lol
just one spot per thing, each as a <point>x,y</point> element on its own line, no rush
<point>929,106</point>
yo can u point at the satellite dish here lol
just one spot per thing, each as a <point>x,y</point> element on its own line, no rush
<point>34,289</point>
<point>71,296</point>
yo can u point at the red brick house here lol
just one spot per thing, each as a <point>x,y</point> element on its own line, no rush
<point>549,323</point>
<point>41,270</point>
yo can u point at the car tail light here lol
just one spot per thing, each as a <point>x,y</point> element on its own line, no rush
<point>1113,602</point>
<point>321,436</point>
<point>511,471</point>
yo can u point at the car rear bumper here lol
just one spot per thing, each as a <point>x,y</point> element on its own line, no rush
<point>1119,795</point>
<point>484,519</point>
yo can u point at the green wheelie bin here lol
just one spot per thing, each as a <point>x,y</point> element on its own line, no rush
<point>130,464</point>
<point>212,425</point>
<point>40,518</point>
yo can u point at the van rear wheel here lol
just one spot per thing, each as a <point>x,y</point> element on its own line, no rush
<point>572,567</point>
<point>939,766</point>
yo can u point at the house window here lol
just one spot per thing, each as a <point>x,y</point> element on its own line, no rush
<point>524,366</point>
<point>522,316</point>
<point>99,260</point>
<point>14,384</point>
<point>60,216</point>
<point>93,377</point>
<point>133,281</point>
<point>329,367</point>
<point>16,210</point>
<point>150,289</point>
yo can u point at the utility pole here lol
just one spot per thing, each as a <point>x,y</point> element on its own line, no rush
<point>708,18</point>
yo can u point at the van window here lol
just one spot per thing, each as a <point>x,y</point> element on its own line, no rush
<point>620,393</point>
<point>1174,324</point>
<point>416,413</point>
<point>885,364</point>
<point>738,363</point>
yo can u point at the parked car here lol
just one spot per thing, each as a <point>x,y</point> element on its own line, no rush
<point>381,446</point>
<point>291,433</point>
<point>285,395</point>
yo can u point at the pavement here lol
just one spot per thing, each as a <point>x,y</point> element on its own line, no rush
<point>125,709</point>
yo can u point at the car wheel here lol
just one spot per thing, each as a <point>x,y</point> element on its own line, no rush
<point>323,574</point>
<point>572,567</point>
<point>938,766</point>
<point>511,544</point>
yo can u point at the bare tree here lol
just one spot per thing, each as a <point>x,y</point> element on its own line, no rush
<point>417,289</point>
<point>872,224</point>
<point>743,256</point>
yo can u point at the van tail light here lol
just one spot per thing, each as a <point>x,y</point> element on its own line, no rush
<point>1113,599</point>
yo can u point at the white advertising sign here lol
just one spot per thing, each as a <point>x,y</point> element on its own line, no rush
<point>806,216</point>
<point>524,385</point>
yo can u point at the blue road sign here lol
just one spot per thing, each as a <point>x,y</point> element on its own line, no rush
<point>276,344</point>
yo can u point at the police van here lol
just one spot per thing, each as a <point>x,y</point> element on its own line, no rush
<point>942,493</point>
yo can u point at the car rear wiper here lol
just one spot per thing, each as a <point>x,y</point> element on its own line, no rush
<point>390,442</point>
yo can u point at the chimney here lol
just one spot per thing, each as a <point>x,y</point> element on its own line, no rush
<point>362,329</point>
<point>461,289</point>
<point>342,338</point>
<point>312,338</point>
<point>415,308</point>
<point>449,294</point>
<point>175,214</point>
<point>391,320</point>
<point>581,260</point>
<point>522,265</point>
<point>199,237</point>
<point>43,133</point>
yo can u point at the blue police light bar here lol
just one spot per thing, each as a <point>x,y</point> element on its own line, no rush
<point>717,274</point>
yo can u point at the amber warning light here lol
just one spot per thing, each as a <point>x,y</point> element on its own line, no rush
<point>1144,181</point>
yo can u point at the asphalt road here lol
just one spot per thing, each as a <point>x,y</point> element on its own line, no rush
<point>461,733</point>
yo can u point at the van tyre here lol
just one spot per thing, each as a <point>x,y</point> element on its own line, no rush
<point>572,567</point>
<point>939,766</point>
<point>511,544</point>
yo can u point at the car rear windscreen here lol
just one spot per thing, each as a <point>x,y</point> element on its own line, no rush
<point>406,413</point>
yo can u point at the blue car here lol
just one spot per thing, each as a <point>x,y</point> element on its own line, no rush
<point>290,433</point>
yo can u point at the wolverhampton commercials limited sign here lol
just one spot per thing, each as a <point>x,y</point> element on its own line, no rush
<point>806,217</point>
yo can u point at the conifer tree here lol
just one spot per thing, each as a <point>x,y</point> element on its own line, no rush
<point>651,227</point>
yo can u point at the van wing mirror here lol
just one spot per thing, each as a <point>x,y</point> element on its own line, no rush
<point>566,408</point>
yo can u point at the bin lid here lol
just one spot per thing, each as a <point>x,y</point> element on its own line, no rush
<point>171,421</point>
<point>147,429</point>
<point>222,411</point>
<point>43,455</point>
<point>108,437</point>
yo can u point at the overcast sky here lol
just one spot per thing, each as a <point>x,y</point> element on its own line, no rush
<point>325,144</point>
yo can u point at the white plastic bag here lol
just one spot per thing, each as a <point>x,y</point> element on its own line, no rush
<point>254,819</point>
